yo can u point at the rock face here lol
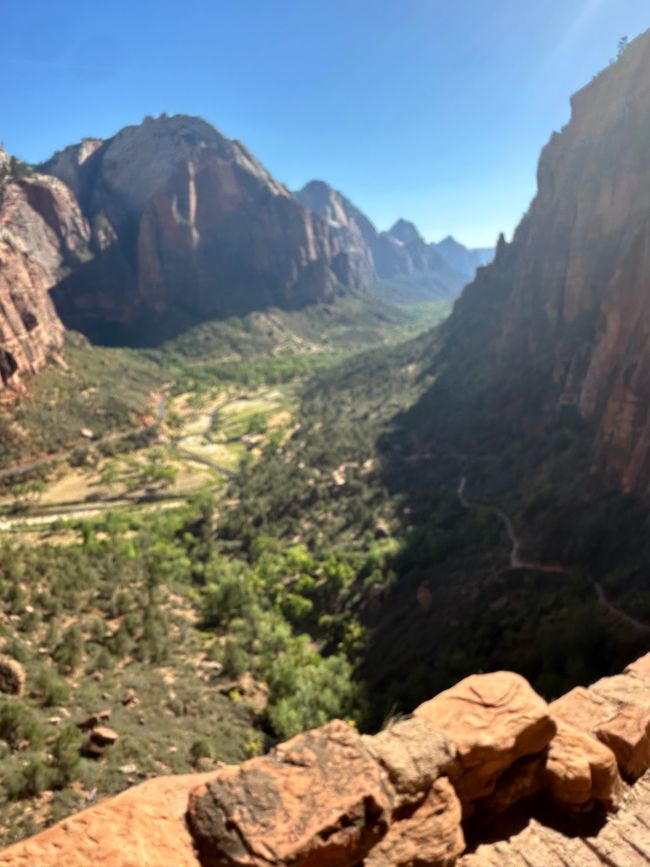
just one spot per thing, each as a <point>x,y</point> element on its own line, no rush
<point>394,260</point>
<point>567,299</point>
<point>187,225</point>
<point>334,798</point>
<point>42,235</point>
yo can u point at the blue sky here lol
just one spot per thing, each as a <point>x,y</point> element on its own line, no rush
<point>434,111</point>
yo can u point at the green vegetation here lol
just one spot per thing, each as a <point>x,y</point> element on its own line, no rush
<point>327,567</point>
<point>222,653</point>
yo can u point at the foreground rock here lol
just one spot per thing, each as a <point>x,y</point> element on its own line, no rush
<point>328,798</point>
<point>143,827</point>
<point>494,720</point>
<point>622,727</point>
<point>623,841</point>
<point>431,835</point>
<point>580,772</point>
<point>402,798</point>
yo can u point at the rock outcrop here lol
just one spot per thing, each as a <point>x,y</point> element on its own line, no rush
<point>187,225</point>
<point>43,234</point>
<point>143,827</point>
<point>566,302</point>
<point>404,797</point>
<point>393,261</point>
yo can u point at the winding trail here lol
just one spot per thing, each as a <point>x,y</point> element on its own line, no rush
<point>517,562</point>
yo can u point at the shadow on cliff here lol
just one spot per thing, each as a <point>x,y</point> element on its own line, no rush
<point>458,606</point>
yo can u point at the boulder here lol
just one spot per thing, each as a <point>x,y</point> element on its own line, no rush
<point>624,728</point>
<point>493,720</point>
<point>521,780</point>
<point>103,736</point>
<point>628,737</point>
<point>319,800</point>
<point>414,756</point>
<point>580,772</point>
<point>431,835</point>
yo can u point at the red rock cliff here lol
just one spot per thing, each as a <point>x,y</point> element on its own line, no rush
<point>42,233</point>
<point>188,225</point>
<point>570,295</point>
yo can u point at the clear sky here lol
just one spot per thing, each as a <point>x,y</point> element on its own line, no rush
<point>434,110</point>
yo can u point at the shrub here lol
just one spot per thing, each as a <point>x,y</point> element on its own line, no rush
<point>18,724</point>
<point>201,749</point>
<point>50,688</point>
<point>65,756</point>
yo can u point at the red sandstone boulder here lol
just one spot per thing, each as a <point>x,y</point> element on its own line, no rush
<point>624,728</point>
<point>319,800</point>
<point>494,720</point>
<point>580,772</point>
<point>431,835</point>
<point>414,756</point>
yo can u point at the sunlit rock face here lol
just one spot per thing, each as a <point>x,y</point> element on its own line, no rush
<point>188,225</point>
<point>569,296</point>
<point>43,235</point>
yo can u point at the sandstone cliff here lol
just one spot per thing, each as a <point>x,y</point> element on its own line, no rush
<point>42,236</point>
<point>188,225</point>
<point>399,258</point>
<point>568,299</point>
<point>465,767</point>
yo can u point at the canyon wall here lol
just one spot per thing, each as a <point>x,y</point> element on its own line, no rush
<point>188,225</point>
<point>569,296</point>
<point>43,235</point>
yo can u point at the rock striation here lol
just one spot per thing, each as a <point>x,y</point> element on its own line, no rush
<point>410,795</point>
<point>188,225</point>
<point>43,235</point>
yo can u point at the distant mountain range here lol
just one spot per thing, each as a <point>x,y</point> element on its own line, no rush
<point>398,264</point>
<point>169,223</point>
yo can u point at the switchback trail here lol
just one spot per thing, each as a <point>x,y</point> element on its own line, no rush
<point>516,561</point>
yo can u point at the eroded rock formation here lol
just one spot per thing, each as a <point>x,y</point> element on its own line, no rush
<point>43,234</point>
<point>188,225</point>
<point>404,797</point>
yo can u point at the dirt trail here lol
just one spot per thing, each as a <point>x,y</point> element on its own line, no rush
<point>516,561</point>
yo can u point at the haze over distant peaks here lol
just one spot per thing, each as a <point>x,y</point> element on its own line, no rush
<point>405,231</point>
<point>400,262</point>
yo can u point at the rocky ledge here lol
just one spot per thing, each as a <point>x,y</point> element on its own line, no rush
<point>485,773</point>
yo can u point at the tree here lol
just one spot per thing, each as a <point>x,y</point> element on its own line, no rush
<point>623,43</point>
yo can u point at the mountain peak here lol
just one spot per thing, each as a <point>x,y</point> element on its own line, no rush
<point>405,231</point>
